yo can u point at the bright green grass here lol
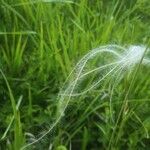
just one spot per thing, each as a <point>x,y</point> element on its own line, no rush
<point>40,43</point>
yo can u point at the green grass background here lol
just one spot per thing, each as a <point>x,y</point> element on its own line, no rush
<point>40,43</point>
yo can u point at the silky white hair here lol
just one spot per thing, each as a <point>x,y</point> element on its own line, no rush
<point>124,58</point>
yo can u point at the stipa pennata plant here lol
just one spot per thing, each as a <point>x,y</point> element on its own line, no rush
<point>106,63</point>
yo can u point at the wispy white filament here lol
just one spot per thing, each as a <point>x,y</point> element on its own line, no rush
<point>133,55</point>
<point>124,59</point>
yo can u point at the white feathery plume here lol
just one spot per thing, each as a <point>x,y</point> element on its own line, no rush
<point>123,59</point>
